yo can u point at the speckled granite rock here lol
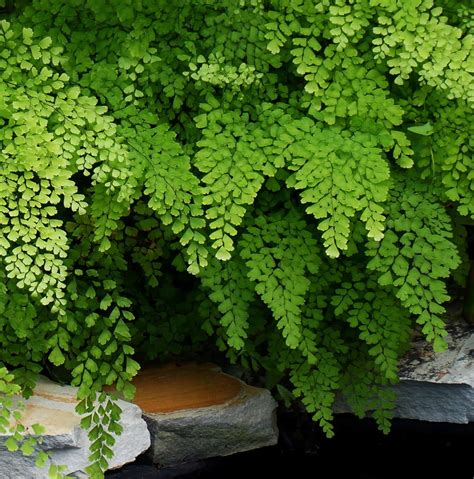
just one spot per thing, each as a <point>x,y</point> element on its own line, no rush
<point>437,387</point>
<point>196,411</point>
<point>53,405</point>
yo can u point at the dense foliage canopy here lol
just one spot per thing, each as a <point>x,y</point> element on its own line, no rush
<point>287,178</point>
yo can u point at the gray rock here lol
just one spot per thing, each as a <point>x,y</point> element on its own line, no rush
<point>435,402</point>
<point>53,406</point>
<point>436,387</point>
<point>439,387</point>
<point>246,422</point>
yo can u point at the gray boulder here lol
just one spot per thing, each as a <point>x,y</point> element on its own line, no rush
<point>53,405</point>
<point>186,434</point>
<point>439,387</point>
<point>436,387</point>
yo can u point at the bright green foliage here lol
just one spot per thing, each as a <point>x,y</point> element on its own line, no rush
<point>100,417</point>
<point>175,175</point>
<point>232,292</point>
<point>381,322</point>
<point>326,162</point>
<point>279,252</point>
<point>416,255</point>
<point>444,152</point>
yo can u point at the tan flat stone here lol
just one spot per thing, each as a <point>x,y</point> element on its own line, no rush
<point>173,387</point>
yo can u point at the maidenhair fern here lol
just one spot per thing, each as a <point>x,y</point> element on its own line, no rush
<point>289,179</point>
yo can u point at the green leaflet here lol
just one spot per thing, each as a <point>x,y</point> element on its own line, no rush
<point>424,130</point>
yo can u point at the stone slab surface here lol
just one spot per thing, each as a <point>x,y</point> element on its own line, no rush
<point>436,387</point>
<point>439,387</point>
<point>53,405</point>
<point>453,366</point>
<point>196,411</point>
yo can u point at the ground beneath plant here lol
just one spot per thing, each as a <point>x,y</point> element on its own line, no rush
<point>413,449</point>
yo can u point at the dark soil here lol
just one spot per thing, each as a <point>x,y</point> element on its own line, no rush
<point>413,449</point>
